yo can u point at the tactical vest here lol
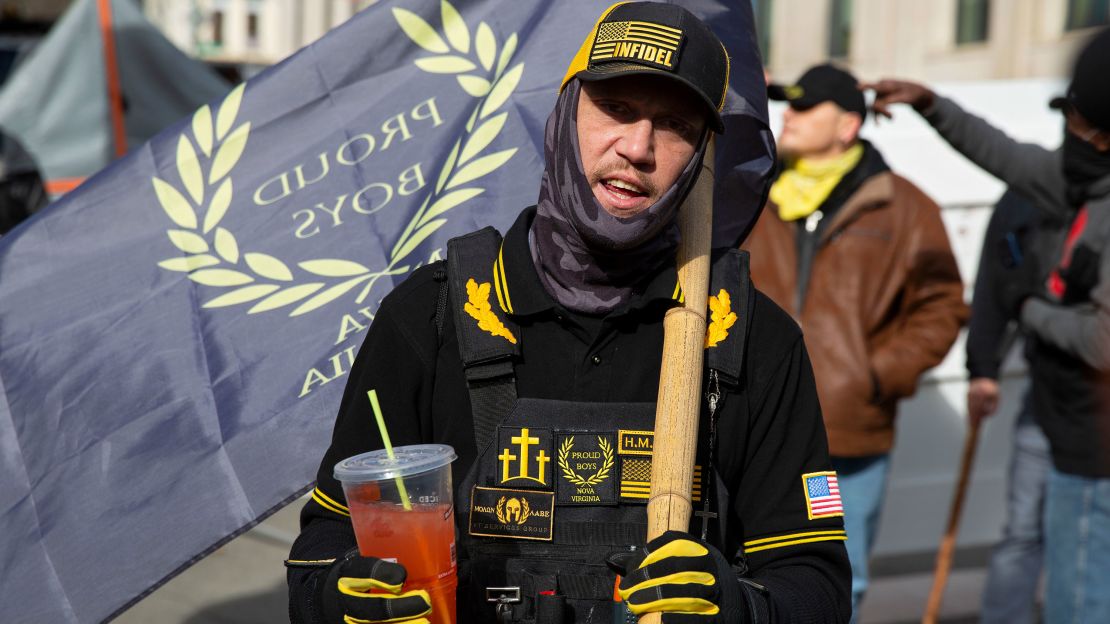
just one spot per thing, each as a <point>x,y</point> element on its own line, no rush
<point>560,485</point>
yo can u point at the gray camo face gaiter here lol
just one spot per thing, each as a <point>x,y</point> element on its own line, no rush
<point>587,259</point>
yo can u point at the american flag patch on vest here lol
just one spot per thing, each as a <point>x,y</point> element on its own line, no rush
<point>822,495</point>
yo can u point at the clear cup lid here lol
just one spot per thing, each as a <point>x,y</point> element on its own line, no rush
<point>407,461</point>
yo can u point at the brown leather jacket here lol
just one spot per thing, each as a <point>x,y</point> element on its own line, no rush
<point>883,304</point>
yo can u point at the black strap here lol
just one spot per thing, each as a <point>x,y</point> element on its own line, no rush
<point>599,533</point>
<point>567,584</point>
<point>492,394</point>
<point>441,300</point>
<point>731,272</point>
<point>757,598</point>
<point>487,359</point>
<point>585,587</point>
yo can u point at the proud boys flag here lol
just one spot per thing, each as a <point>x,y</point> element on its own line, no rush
<point>175,334</point>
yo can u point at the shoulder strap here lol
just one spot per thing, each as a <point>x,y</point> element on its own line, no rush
<point>731,272</point>
<point>487,357</point>
<point>724,360</point>
<point>440,277</point>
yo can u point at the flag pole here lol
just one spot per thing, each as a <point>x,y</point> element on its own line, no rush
<point>680,378</point>
<point>111,77</point>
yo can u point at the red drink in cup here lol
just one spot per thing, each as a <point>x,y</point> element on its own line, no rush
<point>401,509</point>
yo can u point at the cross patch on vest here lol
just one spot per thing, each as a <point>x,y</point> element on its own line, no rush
<point>524,457</point>
<point>515,514</point>
<point>635,448</point>
<point>586,468</point>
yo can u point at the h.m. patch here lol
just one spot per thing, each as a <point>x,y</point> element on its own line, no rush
<point>822,492</point>
<point>515,514</point>
<point>644,42</point>
<point>635,442</point>
<point>524,457</point>
<point>586,468</point>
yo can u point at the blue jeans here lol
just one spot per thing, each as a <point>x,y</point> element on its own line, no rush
<point>1077,549</point>
<point>862,488</point>
<point>1015,566</point>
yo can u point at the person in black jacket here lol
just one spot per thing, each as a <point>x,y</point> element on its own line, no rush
<point>1014,572</point>
<point>1064,308</point>
<point>561,322</point>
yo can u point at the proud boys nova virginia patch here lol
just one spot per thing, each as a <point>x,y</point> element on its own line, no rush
<point>587,468</point>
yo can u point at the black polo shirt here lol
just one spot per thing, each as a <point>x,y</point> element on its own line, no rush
<point>771,434</point>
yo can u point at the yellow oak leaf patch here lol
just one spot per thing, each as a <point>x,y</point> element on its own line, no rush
<point>721,318</point>
<point>479,307</point>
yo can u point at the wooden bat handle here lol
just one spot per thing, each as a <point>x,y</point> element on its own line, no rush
<point>676,418</point>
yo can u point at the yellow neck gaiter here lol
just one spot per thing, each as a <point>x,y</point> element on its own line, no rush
<point>805,184</point>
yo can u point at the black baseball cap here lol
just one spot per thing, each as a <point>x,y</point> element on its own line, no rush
<point>658,39</point>
<point>1089,91</point>
<point>823,83</point>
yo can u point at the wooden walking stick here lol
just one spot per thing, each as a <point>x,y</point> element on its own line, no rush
<point>676,414</point>
<point>948,542</point>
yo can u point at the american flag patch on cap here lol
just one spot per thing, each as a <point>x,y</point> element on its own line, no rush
<point>822,495</point>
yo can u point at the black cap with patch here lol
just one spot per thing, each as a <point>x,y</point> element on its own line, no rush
<point>658,39</point>
<point>823,83</point>
<point>1089,91</point>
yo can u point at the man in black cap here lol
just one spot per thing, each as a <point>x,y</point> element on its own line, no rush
<point>1062,297</point>
<point>537,358</point>
<point>859,256</point>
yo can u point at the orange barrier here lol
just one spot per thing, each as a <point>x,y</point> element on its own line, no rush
<point>61,186</point>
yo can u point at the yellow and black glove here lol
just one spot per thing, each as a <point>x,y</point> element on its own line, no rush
<point>346,597</point>
<point>687,580</point>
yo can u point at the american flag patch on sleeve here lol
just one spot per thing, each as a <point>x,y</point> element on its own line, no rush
<point>822,495</point>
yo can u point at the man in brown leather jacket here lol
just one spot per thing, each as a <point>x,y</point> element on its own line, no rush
<point>860,258</point>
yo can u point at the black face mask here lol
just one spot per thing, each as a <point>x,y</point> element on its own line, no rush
<point>1083,166</point>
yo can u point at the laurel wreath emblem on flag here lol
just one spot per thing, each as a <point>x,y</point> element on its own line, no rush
<point>212,254</point>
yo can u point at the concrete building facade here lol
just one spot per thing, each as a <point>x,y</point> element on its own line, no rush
<point>256,32</point>
<point>937,40</point>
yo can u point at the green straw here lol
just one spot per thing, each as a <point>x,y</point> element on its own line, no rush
<point>373,394</point>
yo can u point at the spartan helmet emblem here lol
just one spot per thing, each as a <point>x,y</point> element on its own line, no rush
<point>512,510</point>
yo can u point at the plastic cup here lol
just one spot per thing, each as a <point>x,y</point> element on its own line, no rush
<point>421,538</point>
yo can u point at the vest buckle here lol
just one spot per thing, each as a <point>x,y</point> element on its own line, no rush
<point>504,598</point>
